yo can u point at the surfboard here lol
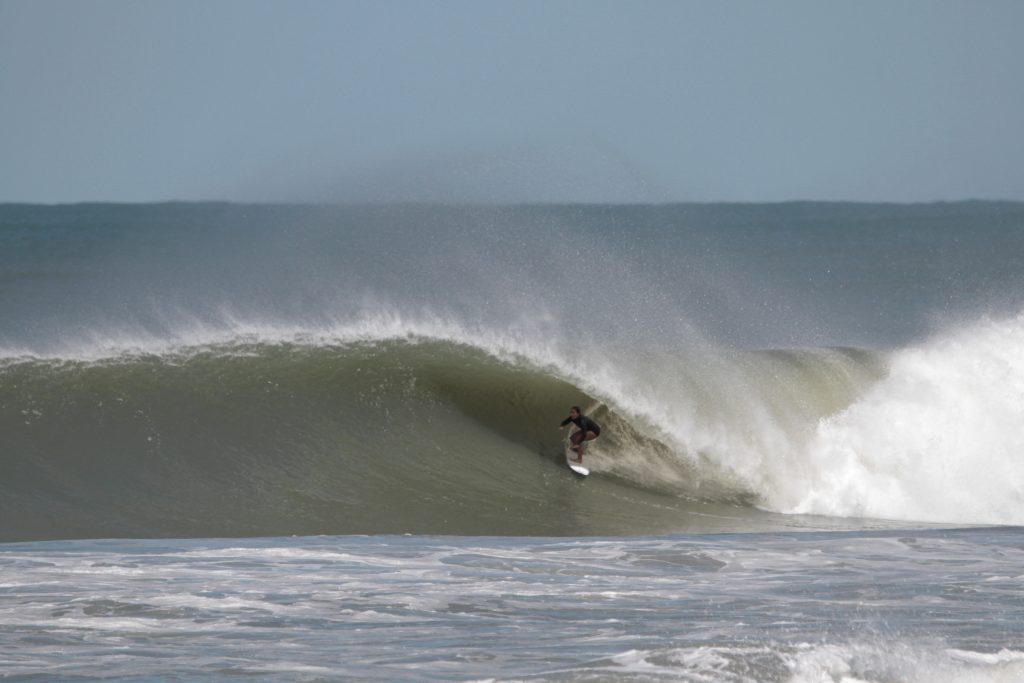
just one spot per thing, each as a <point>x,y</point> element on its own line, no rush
<point>575,466</point>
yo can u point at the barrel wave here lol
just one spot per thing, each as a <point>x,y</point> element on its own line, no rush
<point>406,434</point>
<point>205,371</point>
<point>263,438</point>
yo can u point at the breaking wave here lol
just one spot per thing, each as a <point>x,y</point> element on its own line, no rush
<point>427,427</point>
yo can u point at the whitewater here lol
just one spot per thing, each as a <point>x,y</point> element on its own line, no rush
<point>809,468</point>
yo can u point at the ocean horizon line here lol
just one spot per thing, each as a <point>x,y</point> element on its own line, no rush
<point>513,204</point>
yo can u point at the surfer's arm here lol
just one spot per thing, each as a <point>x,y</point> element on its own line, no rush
<point>565,422</point>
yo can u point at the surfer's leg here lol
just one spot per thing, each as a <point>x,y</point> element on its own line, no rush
<point>590,436</point>
<point>577,440</point>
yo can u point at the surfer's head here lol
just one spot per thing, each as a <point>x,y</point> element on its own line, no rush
<point>575,411</point>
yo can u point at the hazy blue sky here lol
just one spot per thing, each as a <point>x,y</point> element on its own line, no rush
<point>511,101</point>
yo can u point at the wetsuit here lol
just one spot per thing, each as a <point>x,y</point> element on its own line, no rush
<point>585,424</point>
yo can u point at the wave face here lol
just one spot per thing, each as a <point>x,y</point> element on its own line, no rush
<point>402,434</point>
<point>237,371</point>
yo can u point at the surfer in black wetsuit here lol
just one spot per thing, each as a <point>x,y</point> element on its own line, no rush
<point>588,431</point>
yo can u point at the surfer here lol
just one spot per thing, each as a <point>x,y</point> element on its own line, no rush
<point>588,431</point>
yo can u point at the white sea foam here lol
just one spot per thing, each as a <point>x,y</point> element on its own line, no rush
<point>833,608</point>
<point>878,663</point>
<point>938,440</point>
<point>858,662</point>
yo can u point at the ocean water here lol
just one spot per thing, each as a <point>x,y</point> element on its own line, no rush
<point>320,442</point>
<point>804,607</point>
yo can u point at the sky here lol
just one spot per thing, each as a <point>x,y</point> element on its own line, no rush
<point>513,101</point>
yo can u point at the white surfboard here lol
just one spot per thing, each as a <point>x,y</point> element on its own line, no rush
<point>575,466</point>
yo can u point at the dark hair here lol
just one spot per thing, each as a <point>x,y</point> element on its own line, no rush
<point>577,409</point>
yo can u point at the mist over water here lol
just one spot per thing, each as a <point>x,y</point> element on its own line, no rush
<point>320,363</point>
<point>759,276</point>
